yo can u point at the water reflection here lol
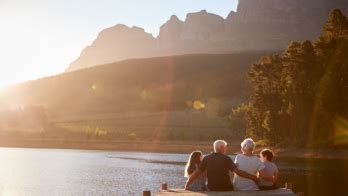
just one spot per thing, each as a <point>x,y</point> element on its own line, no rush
<point>79,172</point>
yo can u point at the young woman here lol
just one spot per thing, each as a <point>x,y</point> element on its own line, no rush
<point>192,165</point>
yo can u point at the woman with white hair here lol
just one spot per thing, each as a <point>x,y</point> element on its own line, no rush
<point>248,163</point>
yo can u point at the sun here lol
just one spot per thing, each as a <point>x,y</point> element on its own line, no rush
<point>3,85</point>
<point>28,53</point>
<point>8,77</point>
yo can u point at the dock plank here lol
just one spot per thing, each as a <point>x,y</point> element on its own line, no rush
<point>181,192</point>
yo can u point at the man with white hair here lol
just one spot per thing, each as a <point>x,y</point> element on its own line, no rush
<point>218,166</point>
<point>248,163</point>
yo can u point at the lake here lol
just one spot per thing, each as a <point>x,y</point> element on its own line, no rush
<point>84,172</point>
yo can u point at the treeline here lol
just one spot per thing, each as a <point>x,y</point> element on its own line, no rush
<point>299,97</point>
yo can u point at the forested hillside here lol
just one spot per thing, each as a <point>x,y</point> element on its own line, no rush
<point>300,96</point>
<point>176,93</point>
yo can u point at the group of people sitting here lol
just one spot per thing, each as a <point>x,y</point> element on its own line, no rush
<point>212,173</point>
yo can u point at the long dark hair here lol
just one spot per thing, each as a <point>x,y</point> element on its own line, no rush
<point>193,162</point>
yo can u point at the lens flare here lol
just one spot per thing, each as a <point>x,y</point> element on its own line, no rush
<point>198,105</point>
<point>94,87</point>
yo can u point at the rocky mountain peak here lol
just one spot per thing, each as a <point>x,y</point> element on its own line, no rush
<point>201,25</point>
<point>201,15</point>
<point>115,43</point>
<point>256,25</point>
<point>170,34</point>
<point>174,18</point>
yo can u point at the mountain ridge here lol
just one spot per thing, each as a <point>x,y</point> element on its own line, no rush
<point>256,25</point>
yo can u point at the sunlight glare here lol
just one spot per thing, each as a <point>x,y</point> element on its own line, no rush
<point>341,131</point>
<point>198,105</point>
<point>94,87</point>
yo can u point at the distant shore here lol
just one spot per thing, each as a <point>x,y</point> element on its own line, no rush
<point>163,147</point>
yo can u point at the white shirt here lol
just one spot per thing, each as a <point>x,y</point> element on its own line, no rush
<point>270,169</point>
<point>251,165</point>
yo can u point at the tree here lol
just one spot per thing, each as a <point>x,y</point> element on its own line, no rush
<point>265,103</point>
<point>299,74</point>
<point>336,26</point>
<point>298,95</point>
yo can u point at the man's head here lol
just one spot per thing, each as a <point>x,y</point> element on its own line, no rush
<point>247,145</point>
<point>220,146</point>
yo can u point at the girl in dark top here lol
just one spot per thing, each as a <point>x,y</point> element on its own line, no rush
<point>192,165</point>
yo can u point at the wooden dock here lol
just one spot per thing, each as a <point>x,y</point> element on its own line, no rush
<point>181,192</point>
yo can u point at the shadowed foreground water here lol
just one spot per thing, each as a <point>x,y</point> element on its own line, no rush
<point>80,172</point>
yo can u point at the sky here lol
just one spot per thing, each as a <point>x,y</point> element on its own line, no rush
<point>40,38</point>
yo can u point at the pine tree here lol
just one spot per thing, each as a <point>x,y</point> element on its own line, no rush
<point>298,95</point>
<point>299,76</point>
<point>265,103</point>
<point>336,26</point>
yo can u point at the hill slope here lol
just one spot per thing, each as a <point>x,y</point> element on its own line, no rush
<point>153,84</point>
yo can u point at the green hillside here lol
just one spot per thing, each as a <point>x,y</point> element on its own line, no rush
<point>175,85</point>
<point>154,84</point>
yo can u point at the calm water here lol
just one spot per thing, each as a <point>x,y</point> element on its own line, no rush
<point>80,172</point>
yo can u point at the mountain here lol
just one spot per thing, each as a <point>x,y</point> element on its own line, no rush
<point>191,36</point>
<point>118,42</point>
<point>274,23</point>
<point>138,85</point>
<point>256,25</point>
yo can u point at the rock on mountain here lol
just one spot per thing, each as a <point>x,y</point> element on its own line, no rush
<point>170,34</point>
<point>256,25</point>
<point>273,24</point>
<point>202,26</point>
<point>116,43</point>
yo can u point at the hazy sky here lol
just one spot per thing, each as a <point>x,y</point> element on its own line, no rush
<point>41,37</point>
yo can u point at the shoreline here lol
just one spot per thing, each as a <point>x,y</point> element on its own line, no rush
<point>164,147</point>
